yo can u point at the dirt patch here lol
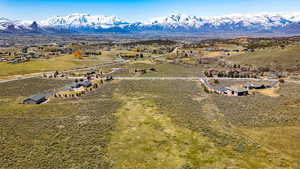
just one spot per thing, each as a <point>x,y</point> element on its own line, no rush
<point>271,92</point>
<point>149,62</point>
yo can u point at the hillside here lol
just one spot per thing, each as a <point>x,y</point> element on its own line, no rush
<point>278,59</point>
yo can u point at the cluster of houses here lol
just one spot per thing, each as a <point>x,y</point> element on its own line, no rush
<point>221,50</point>
<point>91,75</point>
<point>25,53</point>
<point>147,49</point>
<point>22,54</point>
<point>223,91</point>
<point>232,73</point>
<point>186,53</point>
<point>76,89</point>
<point>42,98</point>
<point>235,91</point>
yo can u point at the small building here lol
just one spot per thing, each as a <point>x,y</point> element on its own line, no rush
<point>240,93</point>
<point>109,78</point>
<point>107,48</point>
<point>224,91</point>
<point>275,84</point>
<point>35,99</point>
<point>25,49</point>
<point>82,84</point>
<point>85,84</point>
<point>252,87</point>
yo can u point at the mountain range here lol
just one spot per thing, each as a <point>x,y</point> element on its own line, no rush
<point>288,23</point>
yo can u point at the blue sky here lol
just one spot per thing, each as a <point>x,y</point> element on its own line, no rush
<point>140,10</point>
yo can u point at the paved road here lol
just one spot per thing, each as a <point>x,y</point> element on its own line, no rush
<point>152,78</point>
<point>187,78</point>
<point>21,78</point>
<point>198,78</point>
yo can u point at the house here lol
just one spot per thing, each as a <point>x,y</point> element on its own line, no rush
<point>275,84</point>
<point>251,86</point>
<point>262,86</point>
<point>109,78</point>
<point>85,84</point>
<point>82,84</point>
<point>107,49</point>
<point>249,50</point>
<point>35,99</point>
<point>25,49</point>
<point>240,92</point>
<point>224,91</point>
<point>231,92</point>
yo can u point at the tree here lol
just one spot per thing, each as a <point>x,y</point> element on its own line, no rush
<point>281,80</point>
<point>95,86</point>
<point>56,74</point>
<point>206,73</point>
<point>78,54</point>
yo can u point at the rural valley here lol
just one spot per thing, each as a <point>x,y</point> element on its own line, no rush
<point>91,101</point>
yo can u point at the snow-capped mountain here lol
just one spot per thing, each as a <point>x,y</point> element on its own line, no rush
<point>8,25</point>
<point>77,20</point>
<point>235,23</point>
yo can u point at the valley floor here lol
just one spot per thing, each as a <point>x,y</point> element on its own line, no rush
<point>148,124</point>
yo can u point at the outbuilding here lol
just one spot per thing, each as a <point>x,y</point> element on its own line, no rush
<point>35,99</point>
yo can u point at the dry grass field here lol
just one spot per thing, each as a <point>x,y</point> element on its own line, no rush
<point>142,124</point>
<point>278,59</point>
<point>56,63</point>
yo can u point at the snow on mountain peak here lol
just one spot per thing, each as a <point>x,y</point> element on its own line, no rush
<point>174,22</point>
<point>2,19</point>
<point>83,20</point>
<point>247,20</point>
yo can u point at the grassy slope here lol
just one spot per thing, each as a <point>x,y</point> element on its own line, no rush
<point>276,58</point>
<point>56,63</point>
<point>154,123</point>
<point>65,133</point>
<point>162,122</point>
<point>162,70</point>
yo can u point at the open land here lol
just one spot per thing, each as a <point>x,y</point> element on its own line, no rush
<point>151,109</point>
